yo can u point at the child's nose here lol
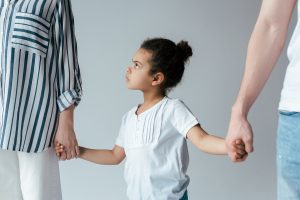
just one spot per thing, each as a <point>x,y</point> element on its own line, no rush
<point>128,69</point>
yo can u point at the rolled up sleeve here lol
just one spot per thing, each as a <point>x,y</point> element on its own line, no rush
<point>69,84</point>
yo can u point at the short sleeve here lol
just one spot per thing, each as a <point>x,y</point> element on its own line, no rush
<point>182,118</point>
<point>121,137</point>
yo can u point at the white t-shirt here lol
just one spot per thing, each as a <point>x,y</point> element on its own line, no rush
<point>290,94</point>
<point>156,150</point>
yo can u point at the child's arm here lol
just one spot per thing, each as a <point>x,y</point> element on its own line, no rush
<point>211,144</point>
<point>99,156</point>
<point>103,156</point>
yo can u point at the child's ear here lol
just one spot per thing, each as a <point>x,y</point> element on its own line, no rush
<point>158,79</point>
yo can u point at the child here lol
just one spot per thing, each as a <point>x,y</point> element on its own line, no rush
<point>153,134</point>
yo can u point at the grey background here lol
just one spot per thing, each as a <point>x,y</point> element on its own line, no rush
<point>109,33</point>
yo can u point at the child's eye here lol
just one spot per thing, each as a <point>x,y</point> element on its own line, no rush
<point>136,66</point>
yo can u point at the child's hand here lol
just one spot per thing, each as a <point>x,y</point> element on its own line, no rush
<point>238,147</point>
<point>59,148</point>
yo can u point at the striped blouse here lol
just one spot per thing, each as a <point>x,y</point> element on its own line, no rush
<point>39,72</point>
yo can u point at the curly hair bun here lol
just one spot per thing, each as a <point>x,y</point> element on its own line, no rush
<point>185,50</point>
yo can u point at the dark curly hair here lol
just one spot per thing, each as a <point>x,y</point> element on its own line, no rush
<point>168,58</point>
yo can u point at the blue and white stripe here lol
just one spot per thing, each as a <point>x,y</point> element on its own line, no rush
<point>39,71</point>
<point>31,31</point>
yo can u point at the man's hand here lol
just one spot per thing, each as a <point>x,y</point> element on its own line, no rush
<point>239,130</point>
<point>65,135</point>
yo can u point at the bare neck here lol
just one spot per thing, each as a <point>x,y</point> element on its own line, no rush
<point>150,99</point>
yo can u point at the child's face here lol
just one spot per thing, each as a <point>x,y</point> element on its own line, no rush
<point>137,75</point>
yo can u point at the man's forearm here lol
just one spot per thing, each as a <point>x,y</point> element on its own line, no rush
<point>264,49</point>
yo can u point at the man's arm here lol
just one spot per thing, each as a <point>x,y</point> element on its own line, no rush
<point>264,49</point>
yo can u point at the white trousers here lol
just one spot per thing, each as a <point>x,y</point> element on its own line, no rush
<point>29,176</point>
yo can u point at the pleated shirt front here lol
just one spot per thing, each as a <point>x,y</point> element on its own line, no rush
<point>156,150</point>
